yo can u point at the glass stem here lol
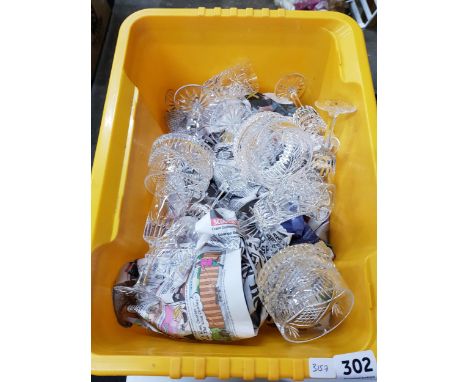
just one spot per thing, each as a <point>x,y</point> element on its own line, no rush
<point>158,219</point>
<point>330,131</point>
<point>220,196</point>
<point>296,100</point>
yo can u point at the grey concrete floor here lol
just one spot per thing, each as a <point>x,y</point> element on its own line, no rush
<point>370,35</point>
<point>123,8</point>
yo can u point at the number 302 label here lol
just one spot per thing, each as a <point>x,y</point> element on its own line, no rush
<point>356,365</point>
<point>344,366</point>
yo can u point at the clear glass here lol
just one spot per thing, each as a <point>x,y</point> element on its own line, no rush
<point>293,199</point>
<point>291,87</point>
<point>308,118</point>
<point>180,170</point>
<point>179,163</point>
<point>179,240</point>
<point>270,149</point>
<point>235,82</point>
<point>226,116</point>
<point>229,179</point>
<point>189,111</point>
<point>176,119</point>
<point>158,288</point>
<point>304,293</point>
<point>334,108</point>
<point>259,171</point>
<point>192,98</point>
<point>324,162</point>
<point>164,212</point>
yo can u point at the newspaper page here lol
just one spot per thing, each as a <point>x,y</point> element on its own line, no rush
<point>214,292</point>
<point>215,297</point>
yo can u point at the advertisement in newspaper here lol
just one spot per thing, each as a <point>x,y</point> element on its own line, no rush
<point>215,297</point>
<point>214,290</point>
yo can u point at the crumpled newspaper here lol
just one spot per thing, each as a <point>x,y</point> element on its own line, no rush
<point>191,291</point>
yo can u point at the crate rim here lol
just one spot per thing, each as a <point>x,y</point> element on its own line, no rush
<point>103,364</point>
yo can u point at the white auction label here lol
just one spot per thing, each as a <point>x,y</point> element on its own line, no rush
<point>361,364</point>
<point>321,368</point>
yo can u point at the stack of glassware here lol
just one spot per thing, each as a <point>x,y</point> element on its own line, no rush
<point>240,174</point>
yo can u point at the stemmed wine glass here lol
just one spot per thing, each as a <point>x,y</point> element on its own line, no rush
<point>325,158</point>
<point>187,110</point>
<point>334,108</point>
<point>304,292</point>
<point>270,149</point>
<point>237,81</point>
<point>180,169</point>
<point>292,86</point>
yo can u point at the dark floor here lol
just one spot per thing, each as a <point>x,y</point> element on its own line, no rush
<point>370,36</point>
<point>108,379</point>
<point>122,9</point>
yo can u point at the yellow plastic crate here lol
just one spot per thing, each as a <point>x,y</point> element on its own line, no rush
<point>158,49</point>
